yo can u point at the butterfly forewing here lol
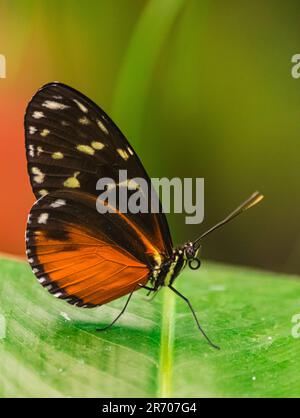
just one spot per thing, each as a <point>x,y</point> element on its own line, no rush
<point>71,143</point>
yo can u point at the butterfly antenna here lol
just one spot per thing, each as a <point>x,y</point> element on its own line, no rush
<point>247,204</point>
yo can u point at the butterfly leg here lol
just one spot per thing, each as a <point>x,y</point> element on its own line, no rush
<point>194,315</point>
<point>151,289</point>
<point>120,314</point>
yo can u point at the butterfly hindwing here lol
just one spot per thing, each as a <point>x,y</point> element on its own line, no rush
<point>71,143</point>
<point>82,256</point>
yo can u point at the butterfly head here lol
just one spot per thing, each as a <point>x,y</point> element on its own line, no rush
<point>190,254</point>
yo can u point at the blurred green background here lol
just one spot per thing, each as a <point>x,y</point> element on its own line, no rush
<point>200,88</point>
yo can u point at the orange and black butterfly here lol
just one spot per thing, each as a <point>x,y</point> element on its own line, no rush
<point>78,254</point>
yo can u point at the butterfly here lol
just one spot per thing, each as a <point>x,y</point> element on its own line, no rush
<point>80,255</point>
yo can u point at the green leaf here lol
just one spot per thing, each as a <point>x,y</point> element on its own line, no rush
<point>49,348</point>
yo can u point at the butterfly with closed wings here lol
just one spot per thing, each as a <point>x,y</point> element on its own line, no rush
<point>80,255</point>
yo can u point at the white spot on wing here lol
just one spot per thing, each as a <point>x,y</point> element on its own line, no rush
<point>97,145</point>
<point>43,192</point>
<point>72,182</point>
<point>32,130</point>
<point>31,150</point>
<point>81,106</point>
<point>43,218</point>
<point>123,183</point>
<point>57,155</point>
<point>130,184</point>
<point>58,294</point>
<point>133,185</point>
<point>50,104</point>
<point>58,203</point>
<point>111,186</point>
<point>42,280</point>
<point>45,132</point>
<point>130,150</point>
<point>86,149</point>
<point>123,154</point>
<point>84,121</point>
<point>39,176</point>
<point>102,126</point>
<point>38,115</point>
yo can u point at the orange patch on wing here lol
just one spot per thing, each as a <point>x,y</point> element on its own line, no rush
<point>86,267</point>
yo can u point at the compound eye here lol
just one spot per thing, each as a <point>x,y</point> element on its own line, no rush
<point>194,264</point>
<point>189,251</point>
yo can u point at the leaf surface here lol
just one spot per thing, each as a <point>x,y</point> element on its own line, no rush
<point>51,349</point>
